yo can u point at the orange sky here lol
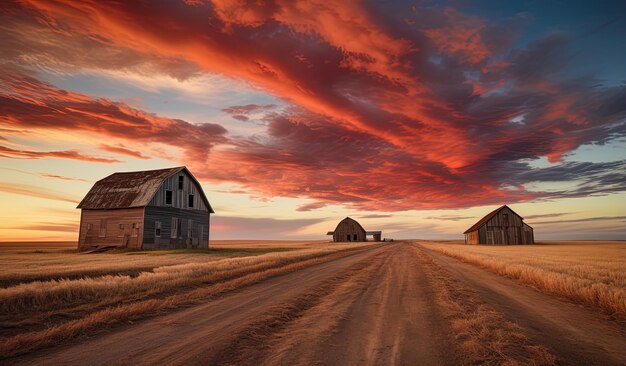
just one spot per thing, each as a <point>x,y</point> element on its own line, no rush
<point>293,115</point>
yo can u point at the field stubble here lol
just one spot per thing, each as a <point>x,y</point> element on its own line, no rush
<point>36,314</point>
<point>592,273</point>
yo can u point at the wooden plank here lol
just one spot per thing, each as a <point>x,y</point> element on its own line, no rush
<point>182,239</point>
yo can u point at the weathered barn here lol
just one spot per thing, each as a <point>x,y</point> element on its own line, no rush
<point>501,226</point>
<point>349,229</point>
<point>154,209</point>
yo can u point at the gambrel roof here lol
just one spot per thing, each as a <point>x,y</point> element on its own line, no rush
<point>132,189</point>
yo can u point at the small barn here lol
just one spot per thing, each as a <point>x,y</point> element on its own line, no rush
<point>153,209</point>
<point>501,226</point>
<point>349,229</point>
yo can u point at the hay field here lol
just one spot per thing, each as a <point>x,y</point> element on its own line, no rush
<point>24,262</point>
<point>52,292</point>
<point>590,272</point>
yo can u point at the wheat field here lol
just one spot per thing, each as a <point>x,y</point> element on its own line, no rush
<point>53,292</point>
<point>593,273</point>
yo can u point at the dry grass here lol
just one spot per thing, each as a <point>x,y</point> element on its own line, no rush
<point>589,272</point>
<point>26,262</point>
<point>40,313</point>
<point>485,336</point>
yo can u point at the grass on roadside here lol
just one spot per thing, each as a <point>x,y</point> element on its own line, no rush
<point>591,273</point>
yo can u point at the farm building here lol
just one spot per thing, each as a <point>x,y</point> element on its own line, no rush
<point>154,209</point>
<point>349,229</point>
<point>501,226</point>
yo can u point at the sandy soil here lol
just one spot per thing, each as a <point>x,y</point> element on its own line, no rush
<point>376,307</point>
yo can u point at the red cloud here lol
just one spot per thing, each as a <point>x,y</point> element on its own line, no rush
<point>248,108</point>
<point>30,103</point>
<point>123,151</point>
<point>55,176</point>
<point>387,114</point>
<point>7,152</point>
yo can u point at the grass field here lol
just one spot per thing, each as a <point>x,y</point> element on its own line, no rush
<point>25,262</point>
<point>593,273</point>
<point>50,291</point>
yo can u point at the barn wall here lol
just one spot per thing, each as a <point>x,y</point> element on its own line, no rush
<point>529,235</point>
<point>349,227</point>
<point>199,223</point>
<point>118,227</point>
<point>179,196</point>
<point>472,237</point>
<point>505,228</point>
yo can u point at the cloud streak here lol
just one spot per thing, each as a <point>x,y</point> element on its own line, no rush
<point>7,152</point>
<point>422,108</point>
<point>123,151</point>
<point>33,191</point>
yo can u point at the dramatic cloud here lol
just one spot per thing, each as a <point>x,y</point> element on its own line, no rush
<point>416,108</point>
<point>26,102</point>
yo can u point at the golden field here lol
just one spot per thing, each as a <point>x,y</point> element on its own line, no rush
<point>591,272</point>
<point>51,292</point>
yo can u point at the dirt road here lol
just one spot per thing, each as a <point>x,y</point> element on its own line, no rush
<point>376,307</point>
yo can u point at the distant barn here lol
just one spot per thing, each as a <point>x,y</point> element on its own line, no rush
<point>154,209</point>
<point>349,229</point>
<point>501,226</point>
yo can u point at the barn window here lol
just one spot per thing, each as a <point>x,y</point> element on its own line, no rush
<point>190,203</point>
<point>120,232</point>
<point>181,181</point>
<point>157,229</point>
<point>349,237</point>
<point>168,197</point>
<point>505,218</point>
<point>174,233</point>
<point>103,228</point>
<point>354,236</point>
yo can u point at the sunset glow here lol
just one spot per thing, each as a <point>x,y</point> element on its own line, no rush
<point>415,118</point>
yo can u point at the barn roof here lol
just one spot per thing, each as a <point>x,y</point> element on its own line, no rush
<point>350,219</point>
<point>484,220</point>
<point>131,189</point>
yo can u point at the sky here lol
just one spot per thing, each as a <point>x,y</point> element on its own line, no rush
<point>413,117</point>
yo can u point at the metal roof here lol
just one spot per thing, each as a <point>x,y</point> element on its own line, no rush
<point>131,189</point>
<point>484,220</point>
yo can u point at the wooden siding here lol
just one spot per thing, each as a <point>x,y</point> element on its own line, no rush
<point>349,227</point>
<point>179,196</point>
<point>199,223</point>
<point>118,227</point>
<point>504,228</point>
